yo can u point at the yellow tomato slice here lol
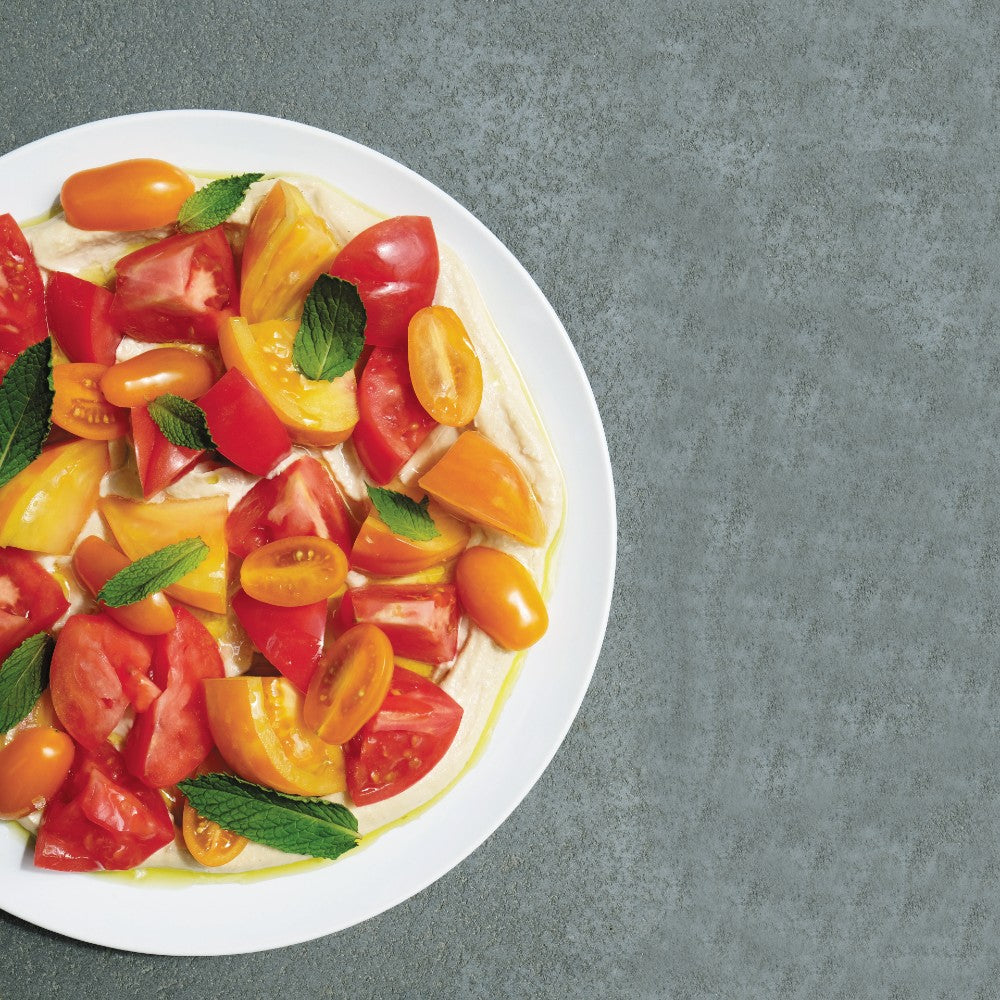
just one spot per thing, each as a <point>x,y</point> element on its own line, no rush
<point>315,412</point>
<point>142,528</point>
<point>291,572</point>
<point>444,369</point>
<point>45,506</point>
<point>208,843</point>
<point>477,480</point>
<point>258,727</point>
<point>79,405</point>
<point>288,247</point>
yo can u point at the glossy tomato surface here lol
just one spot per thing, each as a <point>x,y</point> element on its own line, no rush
<point>173,370</point>
<point>159,461</point>
<point>32,767</point>
<point>79,315</point>
<point>22,299</point>
<point>420,620</point>
<point>381,552</point>
<point>395,266</point>
<point>30,599</point>
<point>291,572</point>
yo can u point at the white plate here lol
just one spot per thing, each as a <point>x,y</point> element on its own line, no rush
<point>206,918</point>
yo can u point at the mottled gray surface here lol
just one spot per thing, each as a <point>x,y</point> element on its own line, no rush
<point>772,234</point>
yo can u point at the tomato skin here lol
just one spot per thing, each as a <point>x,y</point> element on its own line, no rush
<point>499,595</point>
<point>32,767</point>
<point>79,316</point>
<point>141,379</point>
<point>244,427</point>
<point>125,196</point>
<point>180,288</point>
<point>171,738</point>
<point>420,619</point>
<point>395,265</point>
<point>391,422</point>
<point>101,817</point>
<point>80,407</point>
<point>444,368</point>
<point>22,299</point>
<point>159,461</point>
<point>381,552</point>
<point>291,639</point>
<point>403,741</point>
<point>30,599</point>
<point>301,500</point>
<point>291,572</point>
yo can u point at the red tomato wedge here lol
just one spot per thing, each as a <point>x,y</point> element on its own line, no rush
<point>420,619</point>
<point>244,427</point>
<point>79,315</point>
<point>160,462</point>
<point>301,500</point>
<point>97,668</point>
<point>179,288</point>
<point>22,299</point>
<point>391,422</point>
<point>403,741</point>
<point>395,265</point>
<point>30,599</point>
<point>171,738</point>
<point>101,817</point>
<point>291,639</point>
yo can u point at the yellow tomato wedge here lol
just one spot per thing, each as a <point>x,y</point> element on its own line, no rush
<point>477,480</point>
<point>288,246</point>
<point>258,727</point>
<point>142,528</point>
<point>45,506</point>
<point>315,412</point>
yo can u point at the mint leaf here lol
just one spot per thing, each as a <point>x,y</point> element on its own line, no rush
<point>23,677</point>
<point>25,409</point>
<point>214,203</point>
<point>402,515</point>
<point>182,422</point>
<point>332,332</point>
<point>295,824</point>
<point>151,573</point>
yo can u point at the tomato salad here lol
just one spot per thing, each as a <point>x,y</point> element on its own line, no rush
<point>293,423</point>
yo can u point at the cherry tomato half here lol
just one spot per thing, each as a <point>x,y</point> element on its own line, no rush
<point>350,683</point>
<point>32,767</point>
<point>81,408</point>
<point>141,379</point>
<point>294,571</point>
<point>446,374</point>
<point>125,196</point>
<point>207,842</point>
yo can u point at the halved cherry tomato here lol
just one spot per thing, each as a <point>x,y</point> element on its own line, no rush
<point>101,817</point>
<point>294,571</point>
<point>207,842</point>
<point>97,668</point>
<point>180,288</point>
<point>421,620</point>
<point>32,767</point>
<point>258,727</point>
<point>142,528</point>
<point>141,379</point>
<point>395,266</point>
<point>171,737</point>
<point>444,369</point>
<point>80,407</point>
<point>45,505</point>
<point>391,422</point>
<point>244,427</point>
<point>403,741</point>
<point>291,639</point>
<point>95,561</point>
<point>30,599</point>
<point>158,460</point>
<point>477,480</point>
<point>288,246</point>
<point>22,299</point>
<point>125,196</point>
<point>301,500</point>
<point>78,312</point>
<point>319,413</point>
<point>350,683</point>
<point>501,597</point>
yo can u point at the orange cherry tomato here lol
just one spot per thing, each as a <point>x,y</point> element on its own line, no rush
<point>165,369</point>
<point>292,572</point>
<point>125,196</point>
<point>209,844</point>
<point>477,480</point>
<point>446,374</point>
<point>350,683</point>
<point>80,407</point>
<point>500,596</point>
<point>32,767</point>
<point>259,729</point>
<point>95,562</point>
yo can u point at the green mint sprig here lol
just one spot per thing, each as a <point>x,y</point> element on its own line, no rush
<point>23,677</point>
<point>152,573</point>
<point>214,203</point>
<point>332,333</point>
<point>402,515</point>
<point>25,409</point>
<point>182,422</point>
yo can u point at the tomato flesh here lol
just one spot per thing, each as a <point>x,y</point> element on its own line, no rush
<point>30,599</point>
<point>207,842</point>
<point>22,299</point>
<point>421,620</point>
<point>79,315</point>
<point>141,379</point>
<point>79,405</point>
<point>444,369</point>
<point>158,460</point>
<point>32,767</point>
<point>291,572</point>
